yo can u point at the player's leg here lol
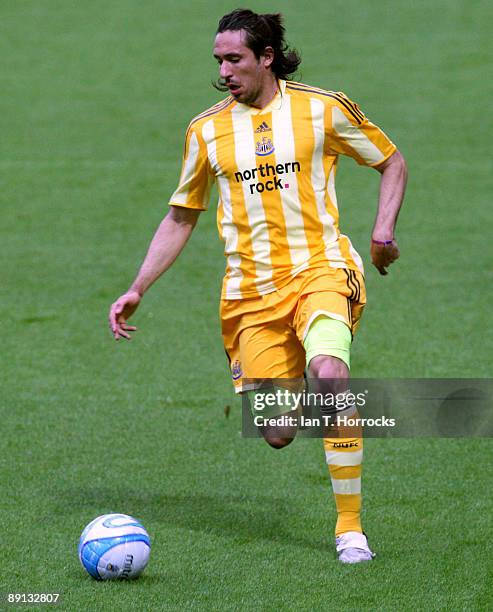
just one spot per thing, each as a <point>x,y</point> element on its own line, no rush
<point>325,323</point>
<point>327,338</point>
<point>343,449</point>
<point>273,362</point>
<point>261,346</point>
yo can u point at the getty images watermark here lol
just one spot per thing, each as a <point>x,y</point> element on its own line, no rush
<point>336,409</point>
<point>380,407</point>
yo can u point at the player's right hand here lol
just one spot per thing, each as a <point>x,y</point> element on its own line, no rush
<point>120,311</point>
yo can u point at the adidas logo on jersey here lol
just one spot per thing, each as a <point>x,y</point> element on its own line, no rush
<point>263,127</point>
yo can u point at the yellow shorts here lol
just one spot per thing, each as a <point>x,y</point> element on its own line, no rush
<point>263,336</point>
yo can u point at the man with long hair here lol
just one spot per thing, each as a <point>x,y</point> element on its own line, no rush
<point>293,291</point>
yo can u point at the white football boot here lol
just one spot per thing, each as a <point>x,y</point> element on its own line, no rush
<point>352,547</point>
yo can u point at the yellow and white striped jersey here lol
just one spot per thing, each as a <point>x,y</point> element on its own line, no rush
<point>275,171</point>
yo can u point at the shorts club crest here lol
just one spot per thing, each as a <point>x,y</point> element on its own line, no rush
<point>236,371</point>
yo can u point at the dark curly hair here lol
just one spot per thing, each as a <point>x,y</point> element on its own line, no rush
<point>262,31</point>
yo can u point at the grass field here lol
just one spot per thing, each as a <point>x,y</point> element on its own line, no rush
<point>95,100</point>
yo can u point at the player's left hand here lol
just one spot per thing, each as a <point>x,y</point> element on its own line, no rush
<point>383,254</point>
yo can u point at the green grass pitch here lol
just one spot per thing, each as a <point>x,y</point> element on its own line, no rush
<point>95,99</point>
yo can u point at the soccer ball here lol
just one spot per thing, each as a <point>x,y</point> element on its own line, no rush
<point>114,546</point>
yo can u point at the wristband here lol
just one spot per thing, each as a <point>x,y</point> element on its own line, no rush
<point>382,242</point>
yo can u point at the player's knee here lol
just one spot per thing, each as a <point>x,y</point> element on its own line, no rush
<point>325,366</point>
<point>277,442</point>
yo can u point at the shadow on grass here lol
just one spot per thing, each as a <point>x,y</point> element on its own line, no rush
<point>246,519</point>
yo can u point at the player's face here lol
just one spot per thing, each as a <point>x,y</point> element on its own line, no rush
<point>243,74</point>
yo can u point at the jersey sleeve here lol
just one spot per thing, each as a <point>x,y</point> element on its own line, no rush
<point>196,177</point>
<point>350,133</point>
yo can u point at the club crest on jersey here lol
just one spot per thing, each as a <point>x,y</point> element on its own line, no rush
<point>263,127</point>
<point>264,146</point>
<point>236,371</point>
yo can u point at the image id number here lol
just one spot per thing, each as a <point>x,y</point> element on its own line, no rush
<point>33,598</point>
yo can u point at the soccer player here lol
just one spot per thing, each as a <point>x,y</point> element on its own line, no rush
<point>293,291</point>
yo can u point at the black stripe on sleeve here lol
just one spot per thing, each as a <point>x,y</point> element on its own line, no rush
<point>212,111</point>
<point>358,115</point>
<point>354,106</point>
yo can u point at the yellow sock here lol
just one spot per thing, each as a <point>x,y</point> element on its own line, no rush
<point>344,457</point>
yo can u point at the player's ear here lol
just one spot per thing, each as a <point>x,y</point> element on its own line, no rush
<point>268,56</point>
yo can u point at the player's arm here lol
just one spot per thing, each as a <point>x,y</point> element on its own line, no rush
<point>352,134</point>
<point>384,249</point>
<point>168,242</point>
<point>190,198</point>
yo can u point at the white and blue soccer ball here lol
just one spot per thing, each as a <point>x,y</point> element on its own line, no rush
<point>114,546</point>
